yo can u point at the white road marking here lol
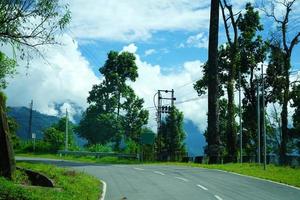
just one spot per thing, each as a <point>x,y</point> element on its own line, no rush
<point>160,173</point>
<point>138,168</point>
<point>257,178</point>
<point>202,187</point>
<point>217,197</point>
<point>103,190</point>
<point>183,179</point>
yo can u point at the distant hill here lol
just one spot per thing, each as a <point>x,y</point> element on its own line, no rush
<point>195,140</point>
<point>39,121</point>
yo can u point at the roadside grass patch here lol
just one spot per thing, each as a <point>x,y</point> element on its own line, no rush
<point>69,184</point>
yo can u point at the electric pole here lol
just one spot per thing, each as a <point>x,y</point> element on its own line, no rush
<point>162,109</point>
<point>172,98</point>
<point>258,121</point>
<point>240,116</point>
<point>264,124</point>
<point>30,121</point>
<point>66,139</point>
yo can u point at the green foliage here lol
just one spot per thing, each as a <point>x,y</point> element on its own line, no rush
<point>55,135</point>
<point>99,128</point>
<point>148,138</point>
<point>135,117</point>
<point>131,147</point>
<point>49,16</point>
<point>40,146</point>
<point>99,148</point>
<point>68,185</point>
<point>275,78</point>
<point>295,132</point>
<point>7,68</point>
<point>13,127</point>
<point>115,111</point>
<point>242,55</point>
<point>53,139</point>
<point>170,139</point>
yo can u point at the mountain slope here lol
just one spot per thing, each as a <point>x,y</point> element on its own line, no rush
<point>195,140</point>
<point>39,121</point>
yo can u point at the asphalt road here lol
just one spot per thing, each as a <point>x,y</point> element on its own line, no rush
<point>161,182</point>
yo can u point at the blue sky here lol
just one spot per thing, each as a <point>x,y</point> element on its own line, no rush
<point>167,51</point>
<point>168,37</point>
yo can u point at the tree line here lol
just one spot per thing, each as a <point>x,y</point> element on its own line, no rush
<point>238,65</point>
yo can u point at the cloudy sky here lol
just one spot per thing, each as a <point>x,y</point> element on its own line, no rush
<point>168,37</point>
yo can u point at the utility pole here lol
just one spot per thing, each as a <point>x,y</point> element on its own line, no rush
<point>163,109</point>
<point>240,116</point>
<point>158,124</point>
<point>264,124</point>
<point>30,121</point>
<point>66,139</point>
<point>258,121</point>
<point>172,98</point>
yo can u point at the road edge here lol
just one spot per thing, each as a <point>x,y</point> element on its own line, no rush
<point>102,197</point>
<point>257,178</point>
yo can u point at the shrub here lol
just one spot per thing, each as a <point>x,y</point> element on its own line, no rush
<point>99,148</point>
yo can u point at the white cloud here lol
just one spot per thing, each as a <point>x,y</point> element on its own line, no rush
<point>149,52</point>
<point>131,48</point>
<point>200,41</point>
<point>132,20</point>
<point>66,76</point>
<point>151,79</point>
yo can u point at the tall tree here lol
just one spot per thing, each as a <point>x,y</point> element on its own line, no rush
<point>115,112</point>
<point>213,83</point>
<point>240,54</point>
<point>280,64</point>
<point>232,69</point>
<point>26,24</point>
<point>252,52</point>
<point>295,133</point>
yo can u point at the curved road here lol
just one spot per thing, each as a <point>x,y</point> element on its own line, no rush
<point>162,182</point>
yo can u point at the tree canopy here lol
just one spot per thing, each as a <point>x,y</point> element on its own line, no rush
<point>115,112</point>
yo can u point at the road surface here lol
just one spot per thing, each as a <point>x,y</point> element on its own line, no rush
<point>162,182</point>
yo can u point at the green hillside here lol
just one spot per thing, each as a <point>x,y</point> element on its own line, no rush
<point>39,121</point>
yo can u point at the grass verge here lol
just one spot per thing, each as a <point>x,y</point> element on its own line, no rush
<point>68,185</point>
<point>287,175</point>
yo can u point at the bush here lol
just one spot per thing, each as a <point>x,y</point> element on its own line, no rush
<point>131,147</point>
<point>28,146</point>
<point>99,148</point>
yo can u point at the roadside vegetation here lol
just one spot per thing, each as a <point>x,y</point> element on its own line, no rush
<point>68,184</point>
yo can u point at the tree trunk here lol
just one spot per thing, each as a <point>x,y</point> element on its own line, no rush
<point>7,158</point>
<point>231,129</point>
<point>284,115</point>
<point>213,84</point>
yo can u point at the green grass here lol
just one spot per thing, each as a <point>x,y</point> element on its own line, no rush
<point>86,159</point>
<point>69,184</point>
<point>287,175</point>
